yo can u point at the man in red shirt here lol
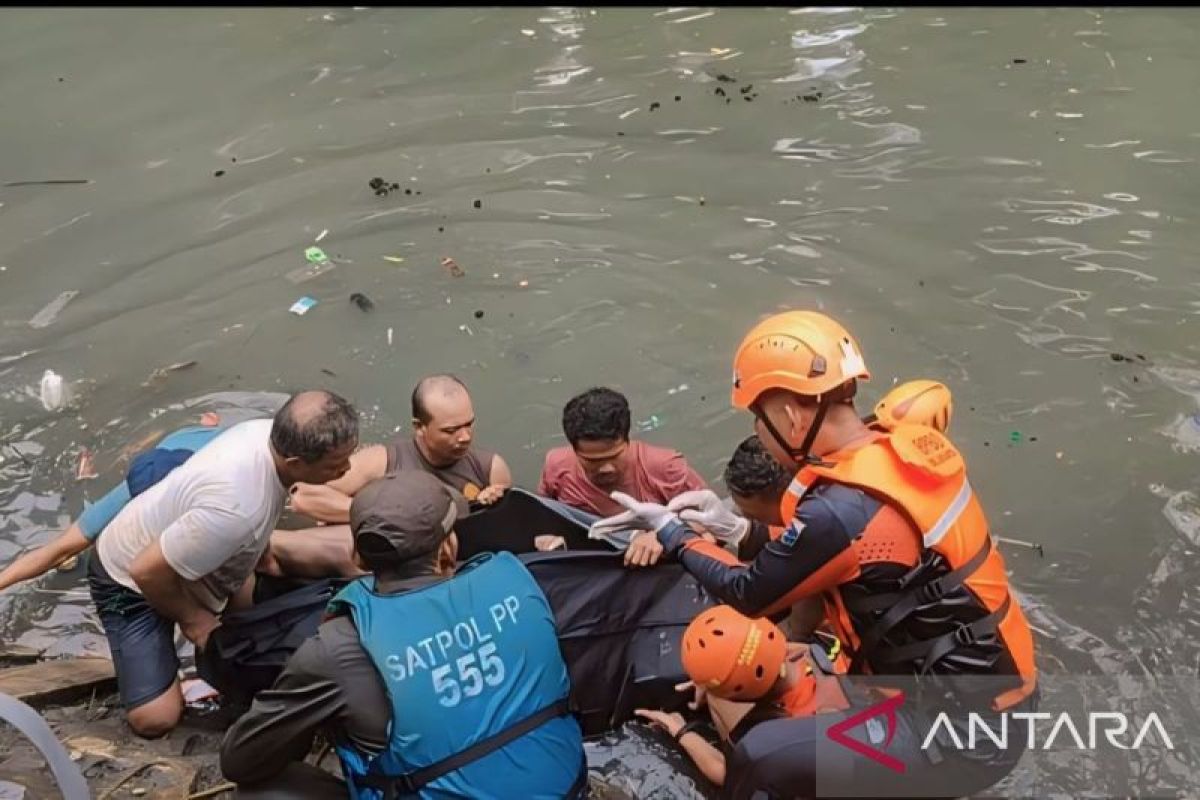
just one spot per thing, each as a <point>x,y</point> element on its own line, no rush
<point>601,459</point>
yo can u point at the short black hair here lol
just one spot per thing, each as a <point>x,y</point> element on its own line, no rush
<point>419,411</point>
<point>598,413</point>
<point>752,470</point>
<point>311,437</point>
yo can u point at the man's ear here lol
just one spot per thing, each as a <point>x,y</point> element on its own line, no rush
<point>417,425</point>
<point>795,418</point>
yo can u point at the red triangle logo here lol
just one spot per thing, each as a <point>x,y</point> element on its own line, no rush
<point>886,707</point>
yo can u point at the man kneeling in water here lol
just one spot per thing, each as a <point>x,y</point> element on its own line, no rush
<point>748,673</point>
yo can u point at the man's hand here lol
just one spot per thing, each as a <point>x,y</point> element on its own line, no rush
<point>549,542</point>
<point>644,550</point>
<point>490,495</point>
<point>706,509</point>
<point>669,722</point>
<point>198,630</point>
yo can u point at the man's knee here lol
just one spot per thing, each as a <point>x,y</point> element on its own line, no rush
<point>158,717</point>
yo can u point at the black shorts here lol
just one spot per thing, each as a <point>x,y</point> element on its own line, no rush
<point>142,641</point>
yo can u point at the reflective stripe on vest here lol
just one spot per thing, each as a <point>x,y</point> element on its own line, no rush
<point>463,661</point>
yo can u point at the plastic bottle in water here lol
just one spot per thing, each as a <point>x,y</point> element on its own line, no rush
<point>53,391</point>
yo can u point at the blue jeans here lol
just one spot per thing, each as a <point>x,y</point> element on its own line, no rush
<point>142,641</point>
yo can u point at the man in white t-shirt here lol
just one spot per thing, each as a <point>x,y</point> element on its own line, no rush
<point>185,549</point>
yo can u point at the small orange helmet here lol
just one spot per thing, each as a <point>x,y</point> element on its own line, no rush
<point>918,402</point>
<point>802,351</point>
<point>732,655</point>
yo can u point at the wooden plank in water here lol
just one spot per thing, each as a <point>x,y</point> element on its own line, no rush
<point>58,681</point>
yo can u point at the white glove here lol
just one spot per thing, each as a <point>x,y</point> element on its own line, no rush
<point>704,508</point>
<point>639,517</point>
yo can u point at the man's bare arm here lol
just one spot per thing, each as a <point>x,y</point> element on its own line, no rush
<point>331,502</point>
<point>166,592</point>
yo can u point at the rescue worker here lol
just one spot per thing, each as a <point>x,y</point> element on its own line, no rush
<point>884,526</point>
<point>746,672</point>
<point>431,682</point>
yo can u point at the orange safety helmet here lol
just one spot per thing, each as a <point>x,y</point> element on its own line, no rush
<point>802,351</point>
<point>732,655</point>
<point>920,402</point>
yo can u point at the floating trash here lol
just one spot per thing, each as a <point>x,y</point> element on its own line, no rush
<point>163,372</point>
<point>86,470</point>
<point>452,268</point>
<point>683,387</point>
<point>363,302</point>
<point>394,259</point>
<point>318,264</point>
<point>53,391</point>
<point>301,306</point>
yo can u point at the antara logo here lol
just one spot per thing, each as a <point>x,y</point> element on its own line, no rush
<point>1113,724</point>
<point>887,708</point>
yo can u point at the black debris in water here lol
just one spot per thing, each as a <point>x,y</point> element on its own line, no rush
<point>234,159</point>
<point>921,283</point>
<point>812,97</point>
<point>219,173</point>
<point>363,302</point>
<point>748,98</point>
<point>1018,61</point>
<point>60,80</point>
<point>747,88</point>
<point>1117,357</point>
<point>987,444</point>
<point>719,92</point>
<point>441,229</point>
<point>723,78</point>
<point>479,313</point>
<point>620,133</point>
<point>1033,438</point>
<point>376,183</point>
<point>329,372</point>
<point>655,106</point>
<point>408,191</point>
<point>478,204</point>
<point>677,98</point>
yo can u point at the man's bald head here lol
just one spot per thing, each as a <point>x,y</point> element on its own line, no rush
<point>445,386</point>
<point>313,424</point>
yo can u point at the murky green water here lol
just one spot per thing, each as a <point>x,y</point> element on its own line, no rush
<point>996,198</point>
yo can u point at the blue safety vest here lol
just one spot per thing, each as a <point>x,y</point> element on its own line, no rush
<point>477,685</point>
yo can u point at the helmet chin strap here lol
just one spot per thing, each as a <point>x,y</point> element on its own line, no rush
<point>800,454</point>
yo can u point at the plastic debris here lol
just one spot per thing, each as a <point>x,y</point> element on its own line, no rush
<point>389,337</point>
<point>452,268</point>
<point>318,264</point>
<point>523,284</point>
<point>50,313</point>
<point>163,372</point>
<point>363,302</point>
<point>394,259</point>
<point>466,329</point>
<point>1015,437</point>
<point>651,424</point>
<point>322,235</point>
<point>683,387</point>
<point>479,313</point>
<point>53,391</point>
<point>301,306</point>
<point>86,470</point>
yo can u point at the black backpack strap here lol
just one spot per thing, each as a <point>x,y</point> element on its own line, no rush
<point>931,651</point>
<point>908,600</point>
<point>413,782</point>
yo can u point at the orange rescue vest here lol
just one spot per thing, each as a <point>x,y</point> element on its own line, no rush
<point>917,471</point>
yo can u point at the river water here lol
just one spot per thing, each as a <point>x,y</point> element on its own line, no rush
<point>996,198</point>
